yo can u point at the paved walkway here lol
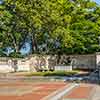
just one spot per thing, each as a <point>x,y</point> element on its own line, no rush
<point>75,91</point>
<point>96,94</point>
<point>71,91</point>
<point>59,94</point>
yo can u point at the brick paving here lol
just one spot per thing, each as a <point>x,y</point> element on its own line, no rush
<point>25,90</point>
<point>19,91</point>
<point>81,92</point>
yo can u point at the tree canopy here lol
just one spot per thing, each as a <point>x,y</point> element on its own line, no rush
<point>52,26</point>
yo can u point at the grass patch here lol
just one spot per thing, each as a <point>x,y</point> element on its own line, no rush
<point>54,73</point>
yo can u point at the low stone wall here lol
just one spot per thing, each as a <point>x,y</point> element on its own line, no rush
<point>48,62</point>
<point>63,68</point>
<point>84,61</point>
<point>78,61</point>
<point>23,65</point>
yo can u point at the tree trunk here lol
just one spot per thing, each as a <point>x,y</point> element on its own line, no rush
<point>34,44</point>
<point>16,48</point>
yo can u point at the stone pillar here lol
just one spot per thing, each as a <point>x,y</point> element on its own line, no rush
<point>97,60</point>
<point>98,64</point>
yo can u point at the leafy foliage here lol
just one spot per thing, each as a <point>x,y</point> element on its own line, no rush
<point>53,26</point>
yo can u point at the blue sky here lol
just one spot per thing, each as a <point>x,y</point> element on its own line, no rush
<point>97,1</point>
<point>26,49</point>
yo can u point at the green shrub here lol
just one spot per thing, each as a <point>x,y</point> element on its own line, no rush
<point>16,55</point>
<point>54,73</point>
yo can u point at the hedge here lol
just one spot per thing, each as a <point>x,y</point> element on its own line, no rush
<point>54,73</point>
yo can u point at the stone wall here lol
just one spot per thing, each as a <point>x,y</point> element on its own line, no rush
<point>5,65</point>
<point>77,61</point>
<point>84,61</point>
<point>98,60</point>
<point>48,62</point>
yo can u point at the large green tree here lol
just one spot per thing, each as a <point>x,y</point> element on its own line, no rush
<point>53,26</point>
